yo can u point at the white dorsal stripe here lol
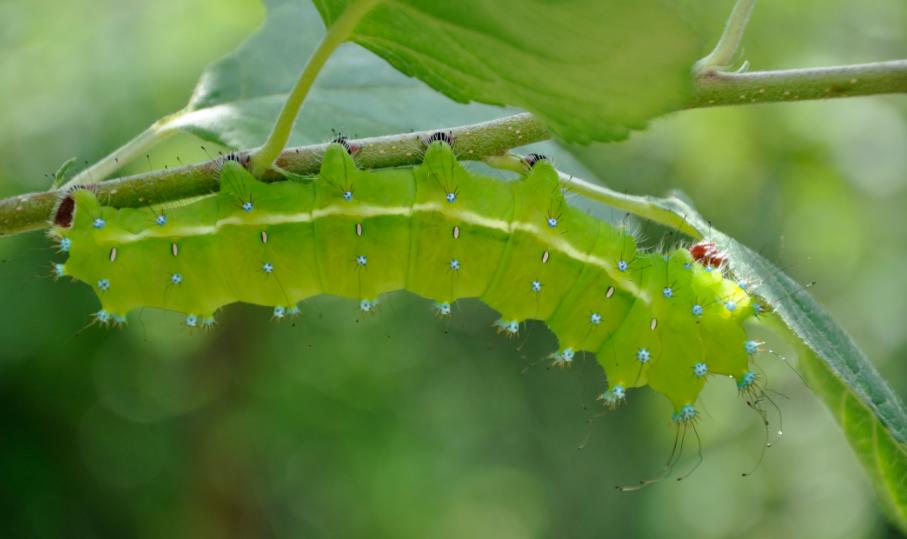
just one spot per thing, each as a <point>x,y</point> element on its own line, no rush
<point>364,211</point>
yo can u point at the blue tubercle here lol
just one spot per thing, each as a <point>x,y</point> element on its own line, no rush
<point>103,285</point>
<point>247,206</point>
<point>644,356</point>
<point>442,308</point>
<point>280,311</point>
<point>668,292</point>
<point>622,265</point>
<point>700,370</point>
<point>176,278</point>
<point>687,413</point>
<point>361,260</point>
<point>698,310</point>
<point>367,305</point>
<point>536,286</point>
<point>208,322</point>
<point>451,197</point>
<point>731,306</point>
<point>595,318</point>
<point>267,267</point>
<point>59,270</point>
<point>510,327</point>
<point>563,357</point>
<point>748,379</point>
<point>65,244</point>
<point>552,222</point>
<point>614,396</point>
<point>99,223</point>
<point>102,316</point>
<point>455,264</point>
<point>191,320</point>
<point>161,220</point>
<point>347,195</point>
<point>751,347</point>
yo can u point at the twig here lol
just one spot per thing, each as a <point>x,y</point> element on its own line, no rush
<point>474,142</point>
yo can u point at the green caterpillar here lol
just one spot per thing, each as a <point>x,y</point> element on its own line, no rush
<point>437,230</point>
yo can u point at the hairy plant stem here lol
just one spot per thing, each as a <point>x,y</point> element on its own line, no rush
<point>474,142</point>
<point>337,33</point>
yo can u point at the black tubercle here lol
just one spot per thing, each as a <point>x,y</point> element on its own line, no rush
<point>533,158</point>
<point>446,137</point>
<point>343,140</point>
<point>243,159</point>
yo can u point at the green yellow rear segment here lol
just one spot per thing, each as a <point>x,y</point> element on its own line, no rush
<point>437,230</point>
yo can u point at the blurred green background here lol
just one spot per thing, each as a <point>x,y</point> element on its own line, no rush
<point>402,425</point>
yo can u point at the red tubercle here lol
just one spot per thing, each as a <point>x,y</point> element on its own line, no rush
<point>708,254</point>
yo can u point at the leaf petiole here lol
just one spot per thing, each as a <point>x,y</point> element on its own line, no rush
<point>337,33</point>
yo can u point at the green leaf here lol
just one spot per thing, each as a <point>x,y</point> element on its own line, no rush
<point>238,97</point>
<point>882,455</point>
<point>871,415</point>
<point>590,69</point>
